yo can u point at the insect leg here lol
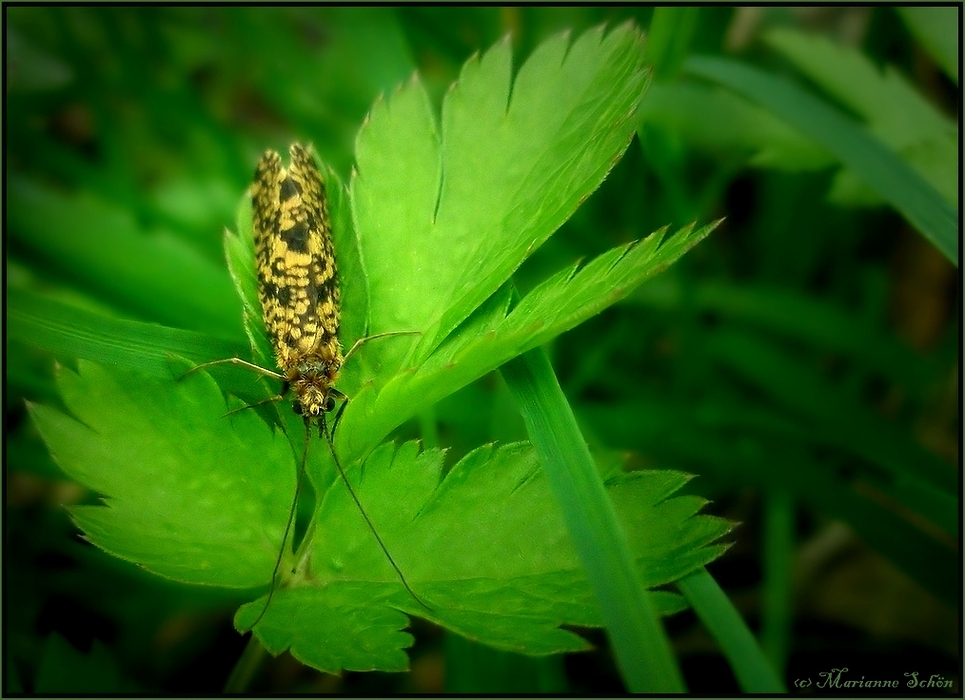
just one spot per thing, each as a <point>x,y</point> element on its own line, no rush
<point>248,365</point>
<point>339,396</point>
<point>362,341</point>
<point>234,361</point>
<point>271,399</point>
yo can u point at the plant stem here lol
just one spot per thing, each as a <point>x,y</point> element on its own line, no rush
<point>641,647</point>
<point>754,673</point>
<point>243,672</point>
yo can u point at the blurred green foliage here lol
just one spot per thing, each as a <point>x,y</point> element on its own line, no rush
<point>807,351</point>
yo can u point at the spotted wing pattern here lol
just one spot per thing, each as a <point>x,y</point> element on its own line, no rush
<point>298,282</point>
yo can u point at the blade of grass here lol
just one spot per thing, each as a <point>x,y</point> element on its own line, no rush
<point>248,664</point>
<point>100,247</point>
<point>71,333</point>
<point>937,30</point>
<point>641,647</point>
<point>893,179</point>
<point>669,37</point>
<point>754,674</point>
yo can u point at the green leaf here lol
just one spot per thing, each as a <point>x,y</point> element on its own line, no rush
<point>190,495</point>
<point>445,214</point>
<point>71,333</point>
<point>484,547</point>
<point>202,498</point>
<point>492,336</point>
<point>344,626</point>
<point>889,176</point>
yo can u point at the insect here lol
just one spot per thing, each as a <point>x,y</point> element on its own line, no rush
<point>300,300</point>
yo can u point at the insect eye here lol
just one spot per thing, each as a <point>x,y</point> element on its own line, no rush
<point>297,407</point>
<point>329,404</point>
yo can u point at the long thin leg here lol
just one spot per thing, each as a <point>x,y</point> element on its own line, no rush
<point>235,361</point>
<point>338,395</point>
<point>249,365</point>
<point>361,341</point>
<point>271,399</point>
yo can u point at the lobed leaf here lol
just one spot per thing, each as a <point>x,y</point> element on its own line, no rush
<point>200,498</point>
<point>189,494</point>
<point>510,162</point>
<point>493,336</point>
<point>485,548</point>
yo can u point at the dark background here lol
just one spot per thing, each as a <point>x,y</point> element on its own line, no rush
<point>756,362</point>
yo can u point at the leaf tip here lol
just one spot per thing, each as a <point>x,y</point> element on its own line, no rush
<point>628,25</point>
<point>471,62</point>
<point>453,87</point>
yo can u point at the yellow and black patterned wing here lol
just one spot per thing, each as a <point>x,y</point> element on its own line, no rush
<point>298,281</point>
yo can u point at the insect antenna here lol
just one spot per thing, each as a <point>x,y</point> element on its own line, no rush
<point>323,428</point>
<point>288,526</point>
